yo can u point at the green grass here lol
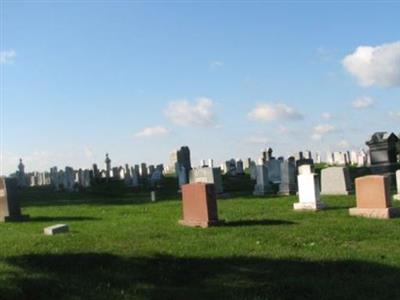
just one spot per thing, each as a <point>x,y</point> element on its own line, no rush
<point>128,248</point>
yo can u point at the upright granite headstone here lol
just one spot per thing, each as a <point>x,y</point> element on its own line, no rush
<point>288,184</point>
<point>207,175</point>
<point>10,209</point>
<point>397,196</point>
<point>274,170</point>
<point>335,181</point>
<point>373,198</point>
<point>199,205</point>
<point>383,149</point>
<point>309,192</point>
<point>263,185</point>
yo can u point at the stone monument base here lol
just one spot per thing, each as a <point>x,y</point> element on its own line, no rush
<point>309,206</point>
<point>376,213</point>
<point>202,224</point>
<point>341,193</point>
<point>20,218</point>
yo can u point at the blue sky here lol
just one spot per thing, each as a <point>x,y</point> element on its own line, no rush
<point>140,79</point>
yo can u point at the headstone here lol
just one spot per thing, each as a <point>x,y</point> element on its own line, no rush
<point>253,170</point>
<point>10,209</point>
<point>239,167</point>
<point>373,198</point>
<point>383,152</point>
<point>274,170</point>
<point>199,205</point>
<point>143,170</point>
<point>263,185</point>
<point>153,196</point>
<point>309,192</point>
<point>21,174</point>
<point>207,175</point>
<point>182,176</point>
<point>135,177</point>
<point>56,229</point>
<point>335,181</point>
<point>397,196</point>
<point>211,163</point>
<point>108,167</point>
<point>183,159</point>
<point>156,177</point>
<point>362,159</point>
<point>288,178</point>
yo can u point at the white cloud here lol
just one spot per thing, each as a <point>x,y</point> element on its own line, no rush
<point>184,113</point>
<point>378,65</point>
<point>256,139</point>
<point>152,132</point>
<point>322,129</point>
<point>395,114</point>
<point>363,102</point>
<point>216,64</point>
<point>267,112</point>
<point>7,56</point>
<point>326,116</point>
<point>344,144</point>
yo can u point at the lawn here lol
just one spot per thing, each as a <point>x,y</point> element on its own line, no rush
<point>125,247</point>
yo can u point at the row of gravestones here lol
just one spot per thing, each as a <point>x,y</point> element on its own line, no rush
<point>372,194</point>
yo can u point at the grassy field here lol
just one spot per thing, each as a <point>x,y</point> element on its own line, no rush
<point>124,247</point>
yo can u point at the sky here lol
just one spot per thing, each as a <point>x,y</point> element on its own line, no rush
<point>138,79</point>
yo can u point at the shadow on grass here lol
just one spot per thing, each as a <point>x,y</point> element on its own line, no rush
<point>60,219</point>
<point>241,223</point>
<point>106,276</point>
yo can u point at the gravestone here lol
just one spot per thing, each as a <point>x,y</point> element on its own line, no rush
<point>182,176</point>
<point>10,209</point>
<point>207,175</point>
<point>263,185</point>
<point>143,170</point>
<point>397,196</point>
<point>199,205</point>
<point>239,167</point>
<point>288,178</point>
<point>383,152</point>
<point>309,192</point>
<point>373,198</point>
<point>335,181</point>
<point>274,170</point>
<point>253,170</point>
<point>56,229</point>
<point>108,167</point>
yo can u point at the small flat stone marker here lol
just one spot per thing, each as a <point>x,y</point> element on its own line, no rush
<point>56,229</point>
<point>153,196</point>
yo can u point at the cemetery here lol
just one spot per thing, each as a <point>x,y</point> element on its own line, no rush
<point>269,228</point>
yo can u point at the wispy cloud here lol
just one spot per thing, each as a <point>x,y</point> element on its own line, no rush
<point>7,56</point>
<point>198,113</point>
<point>363,102</point>
<point>267,112</point>
<point>156,131</point>
<point>322,129</point>
<point>216,64</point>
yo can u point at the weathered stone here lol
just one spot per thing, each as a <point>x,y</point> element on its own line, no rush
<point>309,192</point>
<point>56,229</point>
<point>263,185</point>
<point>335,181</point>
<point>199,205</point>
<point>288,178</point>
<point>9,203</point>
<point>207,175</point>
<point>397,196</point>
<point>373,198</point>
